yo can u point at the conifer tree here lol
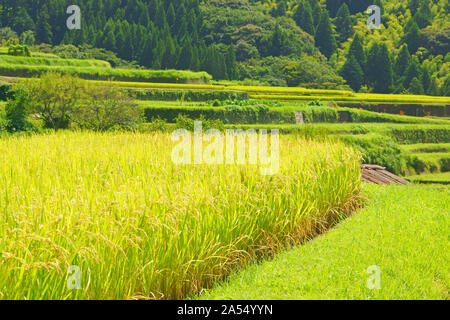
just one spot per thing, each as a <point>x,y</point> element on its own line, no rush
<point>412,37</point>
<point>324,37</point>
<point>413,71</point>
<point>371,65</point>
<point>344,23</point>
<point>423,16</point>
<point>384,76</point>
<point>303,17</point>
<point>43,29</point>
<point>416,86</point>
<point>352,72</point>
<point>403,61</point>
<point>232,68</point>
<point>357,50</point>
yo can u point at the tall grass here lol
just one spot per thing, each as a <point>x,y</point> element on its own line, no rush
<point>140,226</point>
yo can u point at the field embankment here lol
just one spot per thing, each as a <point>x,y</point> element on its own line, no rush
<point>139,226</point>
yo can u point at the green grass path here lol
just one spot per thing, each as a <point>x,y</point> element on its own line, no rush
<point>404,231</point>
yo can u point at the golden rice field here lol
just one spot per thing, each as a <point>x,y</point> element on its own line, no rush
<point>140,227</point>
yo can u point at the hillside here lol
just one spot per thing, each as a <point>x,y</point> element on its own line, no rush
<point>312,43</point>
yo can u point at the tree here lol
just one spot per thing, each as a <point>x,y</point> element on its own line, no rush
<point>43,29</point>
<point>344,23</point>
<point>352,72</point>
<point>325,39</point>
<point>232,68</point>
<point>54,98</point>
<point>27,38</point>
<point>433,89</point>
<point>304,18</point>
<point>103,108</point>
<point>22,21</point>
<point>416,86</point>
<point>17,110</point>
<point>426,79</point>
<point>423,16</point>
<point>412,37</point>
<point>413,71</point>
<point>383,76</point>
<point>403,61</point>
<point>357,50</point>
<point>372,65</point>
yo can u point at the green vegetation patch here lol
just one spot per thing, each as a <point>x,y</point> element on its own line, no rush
<point>405,238</point>
<point>443,177</point>
<point>98,73</point>
<point>30,61</point>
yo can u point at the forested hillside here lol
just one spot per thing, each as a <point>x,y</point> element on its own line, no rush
<point>312,43</point>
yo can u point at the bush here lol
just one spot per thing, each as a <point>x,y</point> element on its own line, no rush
<point>104,108</point>
<point>380,150</point>
<point>17,110</point>
<point>420,135</point>
<point>5,92</point>
<point>183,122</point>
<point>19,50</point>
<point>187,95</point>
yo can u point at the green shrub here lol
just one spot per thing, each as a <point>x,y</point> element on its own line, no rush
<point>19,50</point>
<point>17,110</point>
<point>98,73</point>
<point>5,92</point>
<point>413,135</point>
<point>187,95</point>
<point>380,150</point>
<point>183,122</point>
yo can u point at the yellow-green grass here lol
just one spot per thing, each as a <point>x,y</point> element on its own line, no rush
<point>403,232</point>
<point>297,90</point>
<point>139,226</point>
<point>30,61</point>
<point>102,73</point>
<point>357,97</point>
<point>4,51</point>
<point>291,93</point>
<point>256,92</point>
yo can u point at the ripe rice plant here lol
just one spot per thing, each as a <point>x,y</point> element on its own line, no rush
<point>140,227</point>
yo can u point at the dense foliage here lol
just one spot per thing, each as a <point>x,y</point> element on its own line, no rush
<point>316,43</point>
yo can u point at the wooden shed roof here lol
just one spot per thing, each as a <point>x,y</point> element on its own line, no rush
<point>379,175</point>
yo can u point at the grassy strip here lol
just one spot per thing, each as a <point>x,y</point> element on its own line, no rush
<point>7,59</point>
<point>259,113</point>
<point>401,133</point>
<point>356,97</point>
<point>296,90</point>
<point>434,162</point>
<point>4,51</point>
<point>139,226</point>
<point>404,231</point>
<point>427,147</point>
<point>433,177</point>
<point>98,73</point>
